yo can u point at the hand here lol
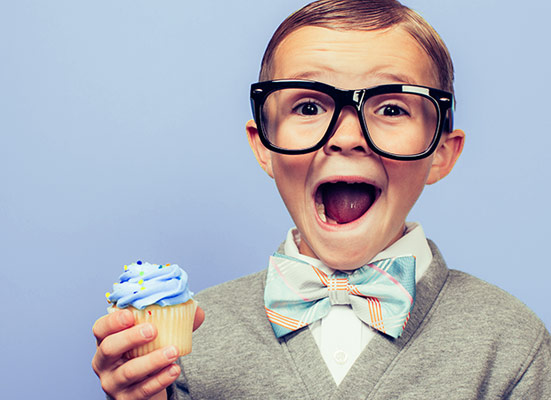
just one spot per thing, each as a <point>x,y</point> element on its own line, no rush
<point>141,377</point>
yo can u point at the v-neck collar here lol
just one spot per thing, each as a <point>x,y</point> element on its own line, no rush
<point>379,356</point>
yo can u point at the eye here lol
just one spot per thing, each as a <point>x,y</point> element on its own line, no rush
<point>309,108</point>
<point>391,110</point>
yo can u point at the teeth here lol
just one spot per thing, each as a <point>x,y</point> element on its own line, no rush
<point>321,211</point>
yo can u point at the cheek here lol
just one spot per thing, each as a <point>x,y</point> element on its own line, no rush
<point>290,168</point>
<point>290,175</point>
<point>407,180</point>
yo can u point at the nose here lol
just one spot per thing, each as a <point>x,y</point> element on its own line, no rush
<point>348,137</point>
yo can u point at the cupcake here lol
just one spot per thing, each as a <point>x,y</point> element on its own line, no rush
<point>157,294</point>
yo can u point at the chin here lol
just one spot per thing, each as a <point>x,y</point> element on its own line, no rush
<point>344,266</point>
<point>344,258</point>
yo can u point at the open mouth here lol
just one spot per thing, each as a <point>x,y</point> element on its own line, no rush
<point>344,202</point>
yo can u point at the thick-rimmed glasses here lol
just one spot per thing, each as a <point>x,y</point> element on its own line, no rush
<point>399,121</point>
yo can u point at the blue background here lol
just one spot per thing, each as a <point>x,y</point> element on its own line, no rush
<point>122,138</point>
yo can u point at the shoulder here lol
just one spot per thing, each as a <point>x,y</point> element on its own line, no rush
<point>488,328</point>
<point>238,304</point>
<point>478,329</point>
<point>487,304</point>
<point>481,304</point>
<point>241,289</point>
<point>500,332</point>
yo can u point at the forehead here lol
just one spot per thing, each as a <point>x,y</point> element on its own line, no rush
<point>353,59</point>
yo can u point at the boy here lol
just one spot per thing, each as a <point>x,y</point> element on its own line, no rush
<point>344,310</point>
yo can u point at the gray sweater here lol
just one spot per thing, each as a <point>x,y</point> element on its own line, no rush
<point>466,339</point>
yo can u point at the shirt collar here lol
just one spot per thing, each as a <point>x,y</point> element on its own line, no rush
<point>413,242</point>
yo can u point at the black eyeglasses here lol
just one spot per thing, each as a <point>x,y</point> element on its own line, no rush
<point>399,121</point>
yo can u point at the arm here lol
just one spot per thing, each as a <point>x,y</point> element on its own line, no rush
<point>143,377</point>
<point>534,381</point>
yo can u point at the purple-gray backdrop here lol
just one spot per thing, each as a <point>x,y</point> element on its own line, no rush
<point>122,138</point>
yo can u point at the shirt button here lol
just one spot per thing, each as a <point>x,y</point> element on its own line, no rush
<point>340,357</point>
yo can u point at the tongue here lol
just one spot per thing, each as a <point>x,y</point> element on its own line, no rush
<point>346,202</point>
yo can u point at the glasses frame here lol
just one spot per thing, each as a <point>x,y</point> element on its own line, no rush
<point>443,101</point>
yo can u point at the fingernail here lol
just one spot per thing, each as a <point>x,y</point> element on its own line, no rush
<point>174,371</point>
<point>171,353</point>
<point>147,331</point>
<point>123,318</point>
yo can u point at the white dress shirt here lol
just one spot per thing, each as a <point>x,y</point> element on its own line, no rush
<point>340,335</point>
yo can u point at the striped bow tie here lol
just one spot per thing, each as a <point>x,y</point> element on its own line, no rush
<point>381,294</point>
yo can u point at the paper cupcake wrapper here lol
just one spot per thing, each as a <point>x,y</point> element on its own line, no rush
<point>174,326</point>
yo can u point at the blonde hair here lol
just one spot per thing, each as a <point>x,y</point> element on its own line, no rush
<point>365,15</point>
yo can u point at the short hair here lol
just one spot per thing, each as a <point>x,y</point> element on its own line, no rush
<point>366,15</point>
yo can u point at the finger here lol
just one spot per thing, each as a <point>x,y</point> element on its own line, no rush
<point>112,323</point>
<point>154,384</point>
<point>139,368</point>
<point>112,348</point>
<point>199,318</point>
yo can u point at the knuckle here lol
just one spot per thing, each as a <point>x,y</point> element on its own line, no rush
<point>95,366</point>
<point>113,386</point>
<point>145,391</point>
<point>151,387</point>
<point>108,349</point>
<point>106,386</point>
<point>96,331</point>
<point>127,373</point>
<point>160,381</point>
<point>96,328</point>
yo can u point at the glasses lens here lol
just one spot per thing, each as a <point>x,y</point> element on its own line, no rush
<point>296,119</point>
<point>401,123</point>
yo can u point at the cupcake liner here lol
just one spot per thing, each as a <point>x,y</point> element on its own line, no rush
<point>174,326</point>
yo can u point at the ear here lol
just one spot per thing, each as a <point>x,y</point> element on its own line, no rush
<point>262,154</point>
<point>445,156</point>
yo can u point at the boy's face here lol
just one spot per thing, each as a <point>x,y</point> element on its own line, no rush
<point>352,60</point>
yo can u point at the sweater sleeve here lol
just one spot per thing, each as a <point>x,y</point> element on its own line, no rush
<point>173,393</point>
<point>534,380</point>
<point>179,390</point>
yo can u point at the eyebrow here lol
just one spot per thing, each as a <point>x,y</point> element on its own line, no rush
<point>310,75</point>
<point>394,77</point>
<point>379,77</point>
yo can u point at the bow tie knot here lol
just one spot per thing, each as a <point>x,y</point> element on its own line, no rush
<point>381,294</point>
<point>338,291</point>
<point>338,287</point>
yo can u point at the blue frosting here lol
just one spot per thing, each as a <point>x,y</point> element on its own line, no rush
<point>143,284</point>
